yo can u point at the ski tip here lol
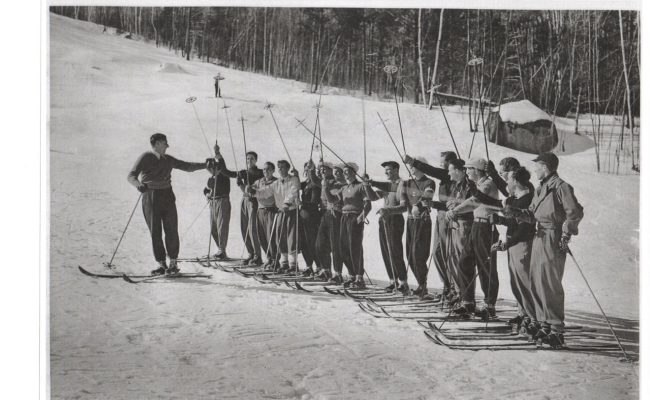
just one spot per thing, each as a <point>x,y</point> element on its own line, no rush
<point>126,278</point>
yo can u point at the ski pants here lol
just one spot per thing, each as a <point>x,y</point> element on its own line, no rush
<point>248,225</point>
<point>266,231</point>
<point>220,221</point>
<point>547,270</point>
<point>309,223</point>
<point>458,233</point>
<point>327,241</point>
<point>351,242</point>
<point>440,250</point>
<point>477,254</point>
<point>286,231</point>
<point>159,209</point>
<point>418,244</point>
<point>520,280</point>
<point>217,90</point>
<point>391,230</point>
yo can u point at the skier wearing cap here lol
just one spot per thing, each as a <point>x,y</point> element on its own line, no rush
<point>356,205</point>
<point>477,251</point>
<point>414,196</point>
<point>327,240</point>
<point>285,191</point>
<point>391,227</point>
<point>151,175</point>
<point>440,245</point>
<point>556,213</point>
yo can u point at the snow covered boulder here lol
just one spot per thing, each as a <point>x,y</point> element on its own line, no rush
<point>522,126</point>
<point>171,68</point>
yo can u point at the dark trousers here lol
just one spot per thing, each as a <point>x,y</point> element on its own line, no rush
<point>441,252</point>
<point>159,209</point>
<point>391,230</point>
<point>418,243</point>
<point>520,280</point>
<point>217,90</point>
<point>266,231</point>
<point>309,223</point>
<point>477,254</point>
<point>248,225</point>
<point>220,221</point>
<point>327,241</point>
<point>351,242</point>
<point>546,272</point>
<point>286,231</point>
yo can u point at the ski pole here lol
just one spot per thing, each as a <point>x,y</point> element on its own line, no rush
<point>232,145</point>
<point>447,122</point>
<point>269,107</point>
<point>598,303</point>
<point>110,263</point>
<point>191,100</point>
<point>195,218</point>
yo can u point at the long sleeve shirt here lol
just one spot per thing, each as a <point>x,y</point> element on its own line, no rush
<point>554,206</point>
<point>334,188</point>
<point>222,186</point>
<point>411,194</point>
<point>311,195</point>
<point>460,191</point>
<point>155,170</point>
<point>517,231</point>
<point>244,177</point>
<point>284,190</point>
<point>265,198</point>
<point>438,173</point>
<point>353,196</point>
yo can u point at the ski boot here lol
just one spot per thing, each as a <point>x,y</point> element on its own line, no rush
<point>161,270</point>
<point>404,288</point>
<point>464,311</point>
<point>390,287</point>
<point>555,340</point>
<point>359,284</point>
<point>173,268</point>
<point>336,279</point>
<point>486,313</point>
<point>349,282</point>
<point>307,272</point>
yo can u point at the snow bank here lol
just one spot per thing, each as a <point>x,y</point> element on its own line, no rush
<point>171,68</point>
<point>521,112</point>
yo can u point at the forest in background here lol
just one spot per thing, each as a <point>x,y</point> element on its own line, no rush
<point>567,62</point>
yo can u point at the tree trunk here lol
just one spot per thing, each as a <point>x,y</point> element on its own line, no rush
<point>420,54</point>
<point>627,87</point>
<point>187,34</point>
<point>435,64</point>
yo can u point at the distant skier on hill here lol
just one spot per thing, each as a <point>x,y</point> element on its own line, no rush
<point>151,175</point>
<point>217,89</point>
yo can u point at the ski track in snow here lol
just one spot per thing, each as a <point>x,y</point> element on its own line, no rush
<point>229,337</point>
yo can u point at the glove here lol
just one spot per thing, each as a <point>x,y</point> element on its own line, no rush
<point>360,219</point>
<point>210,163</point>
<point>499,246</point>
<point>491,170</point>
<point>408,160</point>
<point>512,212</point>
<point>143,188</point>
<point>564,242</point>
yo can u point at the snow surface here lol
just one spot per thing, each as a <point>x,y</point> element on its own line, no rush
<point>230,337</point>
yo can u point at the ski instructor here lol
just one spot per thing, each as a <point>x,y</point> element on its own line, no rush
<point>151,175</point>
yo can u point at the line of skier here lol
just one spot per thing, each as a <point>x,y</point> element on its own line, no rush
<point>323,216</point>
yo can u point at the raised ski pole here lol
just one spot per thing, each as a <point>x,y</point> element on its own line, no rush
<point>398,153</point>
<point>316,126</point>
<point>110,263</point>
<point>446,122</point>
<point>598,303</point>
<point>269,107</point>
<point>191,101</point>
<point>232,145</point>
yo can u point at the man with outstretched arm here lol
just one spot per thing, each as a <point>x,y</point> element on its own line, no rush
<point>391,227</point>
<point>556,213</point>
<point>217,191</point>
<point>440,245</point>
<point>152,176</point>
<point>356,205</point>
<point>414,196</point>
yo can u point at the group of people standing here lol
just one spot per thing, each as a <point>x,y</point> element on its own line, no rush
<point>323,216</point>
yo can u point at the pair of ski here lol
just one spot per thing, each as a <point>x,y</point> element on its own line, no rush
<point>500,337</point>
<point>135,278</point>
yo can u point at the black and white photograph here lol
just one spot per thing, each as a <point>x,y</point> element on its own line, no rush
<point>353,201</point>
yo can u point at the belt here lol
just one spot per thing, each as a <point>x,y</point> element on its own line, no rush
<point>269,208</point>
<point>547,227</point>
<point>352,212</point>
<point>424,216</point>
<point>225,196</point>
<point>484,220</point>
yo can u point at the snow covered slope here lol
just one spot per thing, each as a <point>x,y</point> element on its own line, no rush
<point>231,337</point>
